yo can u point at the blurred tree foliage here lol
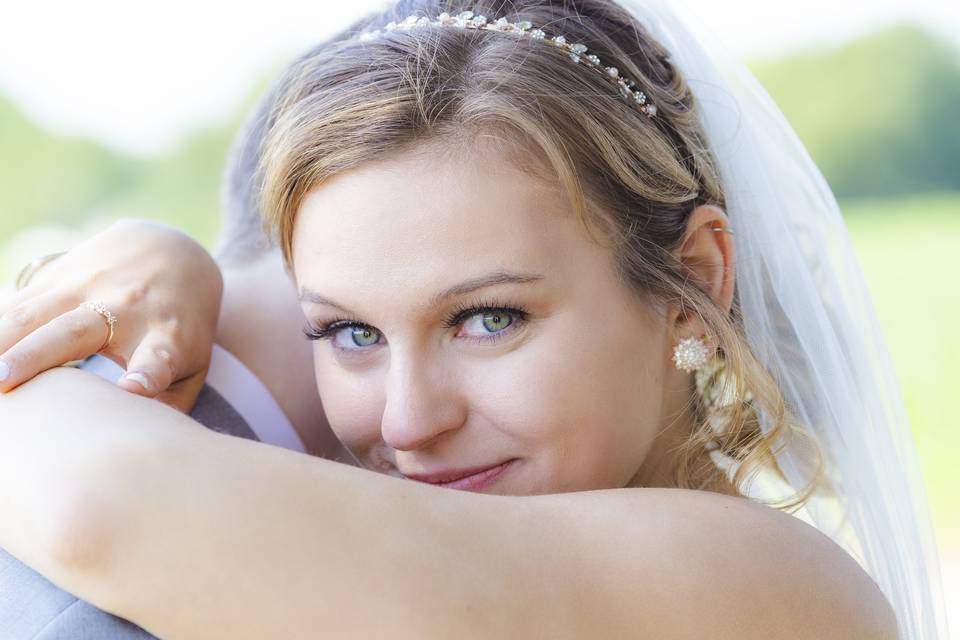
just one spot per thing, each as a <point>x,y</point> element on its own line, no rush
<point>879,116</point>
<point>46,178</point>
<point>50,179</point>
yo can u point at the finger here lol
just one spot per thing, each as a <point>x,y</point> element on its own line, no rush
<point>11,297</point>
<point>28,313</point>
<point>7,296</point>
<point>74,335</point>
<point>183,395</point>
<point>152,368</point>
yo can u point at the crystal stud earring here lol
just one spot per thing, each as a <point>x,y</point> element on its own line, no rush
<point>691,354</point>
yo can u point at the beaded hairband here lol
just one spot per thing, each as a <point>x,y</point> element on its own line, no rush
<point>578,52</point>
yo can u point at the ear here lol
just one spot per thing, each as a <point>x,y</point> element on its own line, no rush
<point>708,258</point>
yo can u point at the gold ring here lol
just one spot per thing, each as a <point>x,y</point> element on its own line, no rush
<point>27,273</point>
<point>108,316</point>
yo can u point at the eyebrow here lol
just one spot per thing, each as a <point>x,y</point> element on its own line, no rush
<point>473,284</point>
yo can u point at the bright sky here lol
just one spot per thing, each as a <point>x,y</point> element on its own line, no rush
<point>139,76</point>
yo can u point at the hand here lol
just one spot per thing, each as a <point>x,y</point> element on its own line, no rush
<point>164,289</point>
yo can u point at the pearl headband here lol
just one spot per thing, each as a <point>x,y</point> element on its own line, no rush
<point>577,52</point>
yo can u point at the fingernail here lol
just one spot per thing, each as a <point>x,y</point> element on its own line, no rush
<point>4,371</point>
<point>140,379</point>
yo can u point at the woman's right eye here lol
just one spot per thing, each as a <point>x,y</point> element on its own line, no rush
<point>345,336</point>
<point>355,336</point>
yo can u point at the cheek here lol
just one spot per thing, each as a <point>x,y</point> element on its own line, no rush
<point>352,404</point>
<point>585,403</point>
<point>535,398</point>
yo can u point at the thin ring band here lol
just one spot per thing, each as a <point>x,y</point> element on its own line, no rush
<point>27,273</point>
<point>730,231</point>
<point>108,317</point>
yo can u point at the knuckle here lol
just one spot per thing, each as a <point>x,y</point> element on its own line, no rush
<point>175,329</point>
<point>134,294</point>
<point>21,359</point>
<point>21,316</point>
<point>75,328</point>
<point>96,275</point>
<point>71,297</point>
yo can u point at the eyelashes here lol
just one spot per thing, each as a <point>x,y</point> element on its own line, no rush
<point>332,327</point>
<point>465,310</point>
<point>460,313</point>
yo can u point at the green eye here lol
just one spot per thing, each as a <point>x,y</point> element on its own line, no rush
<point>364,336</point>
<point>496,321</point>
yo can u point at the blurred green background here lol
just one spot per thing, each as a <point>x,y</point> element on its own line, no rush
<point>879,114</point>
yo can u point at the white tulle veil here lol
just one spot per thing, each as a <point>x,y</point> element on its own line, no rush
<point>810,320</point>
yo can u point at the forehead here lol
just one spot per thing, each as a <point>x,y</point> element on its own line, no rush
<point>422,221</point>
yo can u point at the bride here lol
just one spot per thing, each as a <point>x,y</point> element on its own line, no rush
<point>562,259</point>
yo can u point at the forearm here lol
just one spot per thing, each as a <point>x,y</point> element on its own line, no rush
<point>193,531</point>
<point>272,543</point>
<point>53,466</point>
<point>183,530</point>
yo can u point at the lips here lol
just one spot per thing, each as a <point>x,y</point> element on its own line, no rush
<point>450,475</point>
<point>478,481</point>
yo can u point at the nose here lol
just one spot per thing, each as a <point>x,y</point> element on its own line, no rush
<point>421,403</point>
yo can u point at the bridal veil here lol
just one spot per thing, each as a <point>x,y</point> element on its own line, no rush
<point>809,318</point>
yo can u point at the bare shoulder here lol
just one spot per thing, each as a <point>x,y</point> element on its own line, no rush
<point>677,563</point>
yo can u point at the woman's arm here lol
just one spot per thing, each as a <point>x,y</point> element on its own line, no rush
<point>188,532</point>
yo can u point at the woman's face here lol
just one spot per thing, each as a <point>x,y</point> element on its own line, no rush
<point>465,318</point>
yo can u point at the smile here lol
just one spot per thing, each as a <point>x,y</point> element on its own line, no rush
<point>478,481</point>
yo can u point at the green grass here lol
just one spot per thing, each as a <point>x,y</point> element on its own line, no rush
<point>909,250</point>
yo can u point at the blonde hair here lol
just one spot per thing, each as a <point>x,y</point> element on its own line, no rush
<point>634,178</point>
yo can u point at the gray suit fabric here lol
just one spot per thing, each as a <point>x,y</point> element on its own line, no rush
<point>32,607</point>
